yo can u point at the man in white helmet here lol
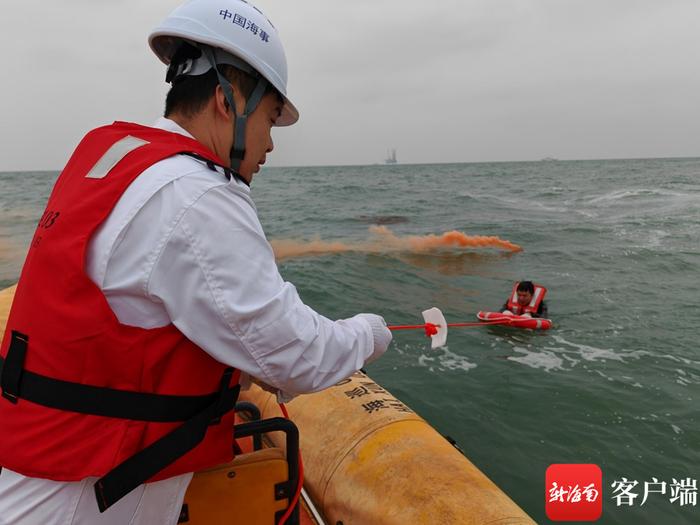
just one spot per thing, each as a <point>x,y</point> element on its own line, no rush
<point>158,292</point>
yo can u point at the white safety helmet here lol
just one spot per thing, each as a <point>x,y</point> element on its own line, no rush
<point>236,27</point>
<point>231,32</point>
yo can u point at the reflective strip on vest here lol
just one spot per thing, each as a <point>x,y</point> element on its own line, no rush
<point>113,155</point>
<point>535,297</point>
<point>514,299</point>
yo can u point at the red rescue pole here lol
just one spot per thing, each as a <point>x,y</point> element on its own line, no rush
<point>428,326</point>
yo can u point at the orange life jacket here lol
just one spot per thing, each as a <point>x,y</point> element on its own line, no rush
<point>530,308</point>
<point>83,394</point>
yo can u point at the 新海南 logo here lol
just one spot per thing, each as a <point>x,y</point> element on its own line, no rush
<point>573,492</point>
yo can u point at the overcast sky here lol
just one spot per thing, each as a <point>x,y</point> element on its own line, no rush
<point>439,80</point>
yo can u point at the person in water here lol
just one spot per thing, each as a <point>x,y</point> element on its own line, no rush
<point>526,299</point>
<point>150,293</point>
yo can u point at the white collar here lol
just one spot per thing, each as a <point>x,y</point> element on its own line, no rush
<point>170,125</point>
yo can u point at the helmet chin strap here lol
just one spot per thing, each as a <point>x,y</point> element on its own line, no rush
<point>239,124</point>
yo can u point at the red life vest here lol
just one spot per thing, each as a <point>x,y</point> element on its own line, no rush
<point>530,308</point>
<point>82,392</point>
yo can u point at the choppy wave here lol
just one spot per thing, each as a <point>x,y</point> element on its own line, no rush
<point>543,359</point>
<point>615,242</point>
<point>635,192</point>
<point>442,359</point>
<point>613,197</point>
<point>382,219</point>
<point>566,355</point>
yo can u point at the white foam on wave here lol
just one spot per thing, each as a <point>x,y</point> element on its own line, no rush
<point>443,359</point>
<point>687,378</point>
<point>543,359</point>
<point>617,195</point>
<point>450,361</point>
<point>438,360</point>
<point>426,361</point>
<point>518,203</point>
<point>564,356</point>
<point>656,237</point>
<point>501,198</point>
<point>587,353</point>
<point>643,238</point>
<point>554,209</point>
<point>680,359</point>
<point>591,353</point>
<point>587,214</point>
<point>601,374</point>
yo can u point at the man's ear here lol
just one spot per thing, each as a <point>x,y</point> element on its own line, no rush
<point>220,102</point>
<point>222,105</point>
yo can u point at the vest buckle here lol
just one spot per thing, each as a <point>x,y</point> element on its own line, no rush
<point>13,367</point>
<point>227,396</point>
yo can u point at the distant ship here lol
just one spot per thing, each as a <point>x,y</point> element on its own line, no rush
<point>390,157</point>
<point>548,159</point>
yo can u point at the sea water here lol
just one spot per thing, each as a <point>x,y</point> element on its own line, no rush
<point>616,382</point>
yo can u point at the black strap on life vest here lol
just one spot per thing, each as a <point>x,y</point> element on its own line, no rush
<point>197,413</point>
<point>212,166</point>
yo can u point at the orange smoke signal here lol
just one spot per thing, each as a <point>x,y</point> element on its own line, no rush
<point>422,243</point>
<point>383,240</point>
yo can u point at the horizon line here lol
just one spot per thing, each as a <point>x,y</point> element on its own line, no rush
<point>543,160</point>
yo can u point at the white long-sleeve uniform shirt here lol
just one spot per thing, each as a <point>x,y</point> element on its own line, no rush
<point>184,245</point>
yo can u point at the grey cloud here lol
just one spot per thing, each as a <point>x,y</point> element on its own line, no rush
<point>448,80</point>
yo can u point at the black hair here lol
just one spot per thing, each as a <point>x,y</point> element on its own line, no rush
<point>190,93</point>
<point>526,286</point>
